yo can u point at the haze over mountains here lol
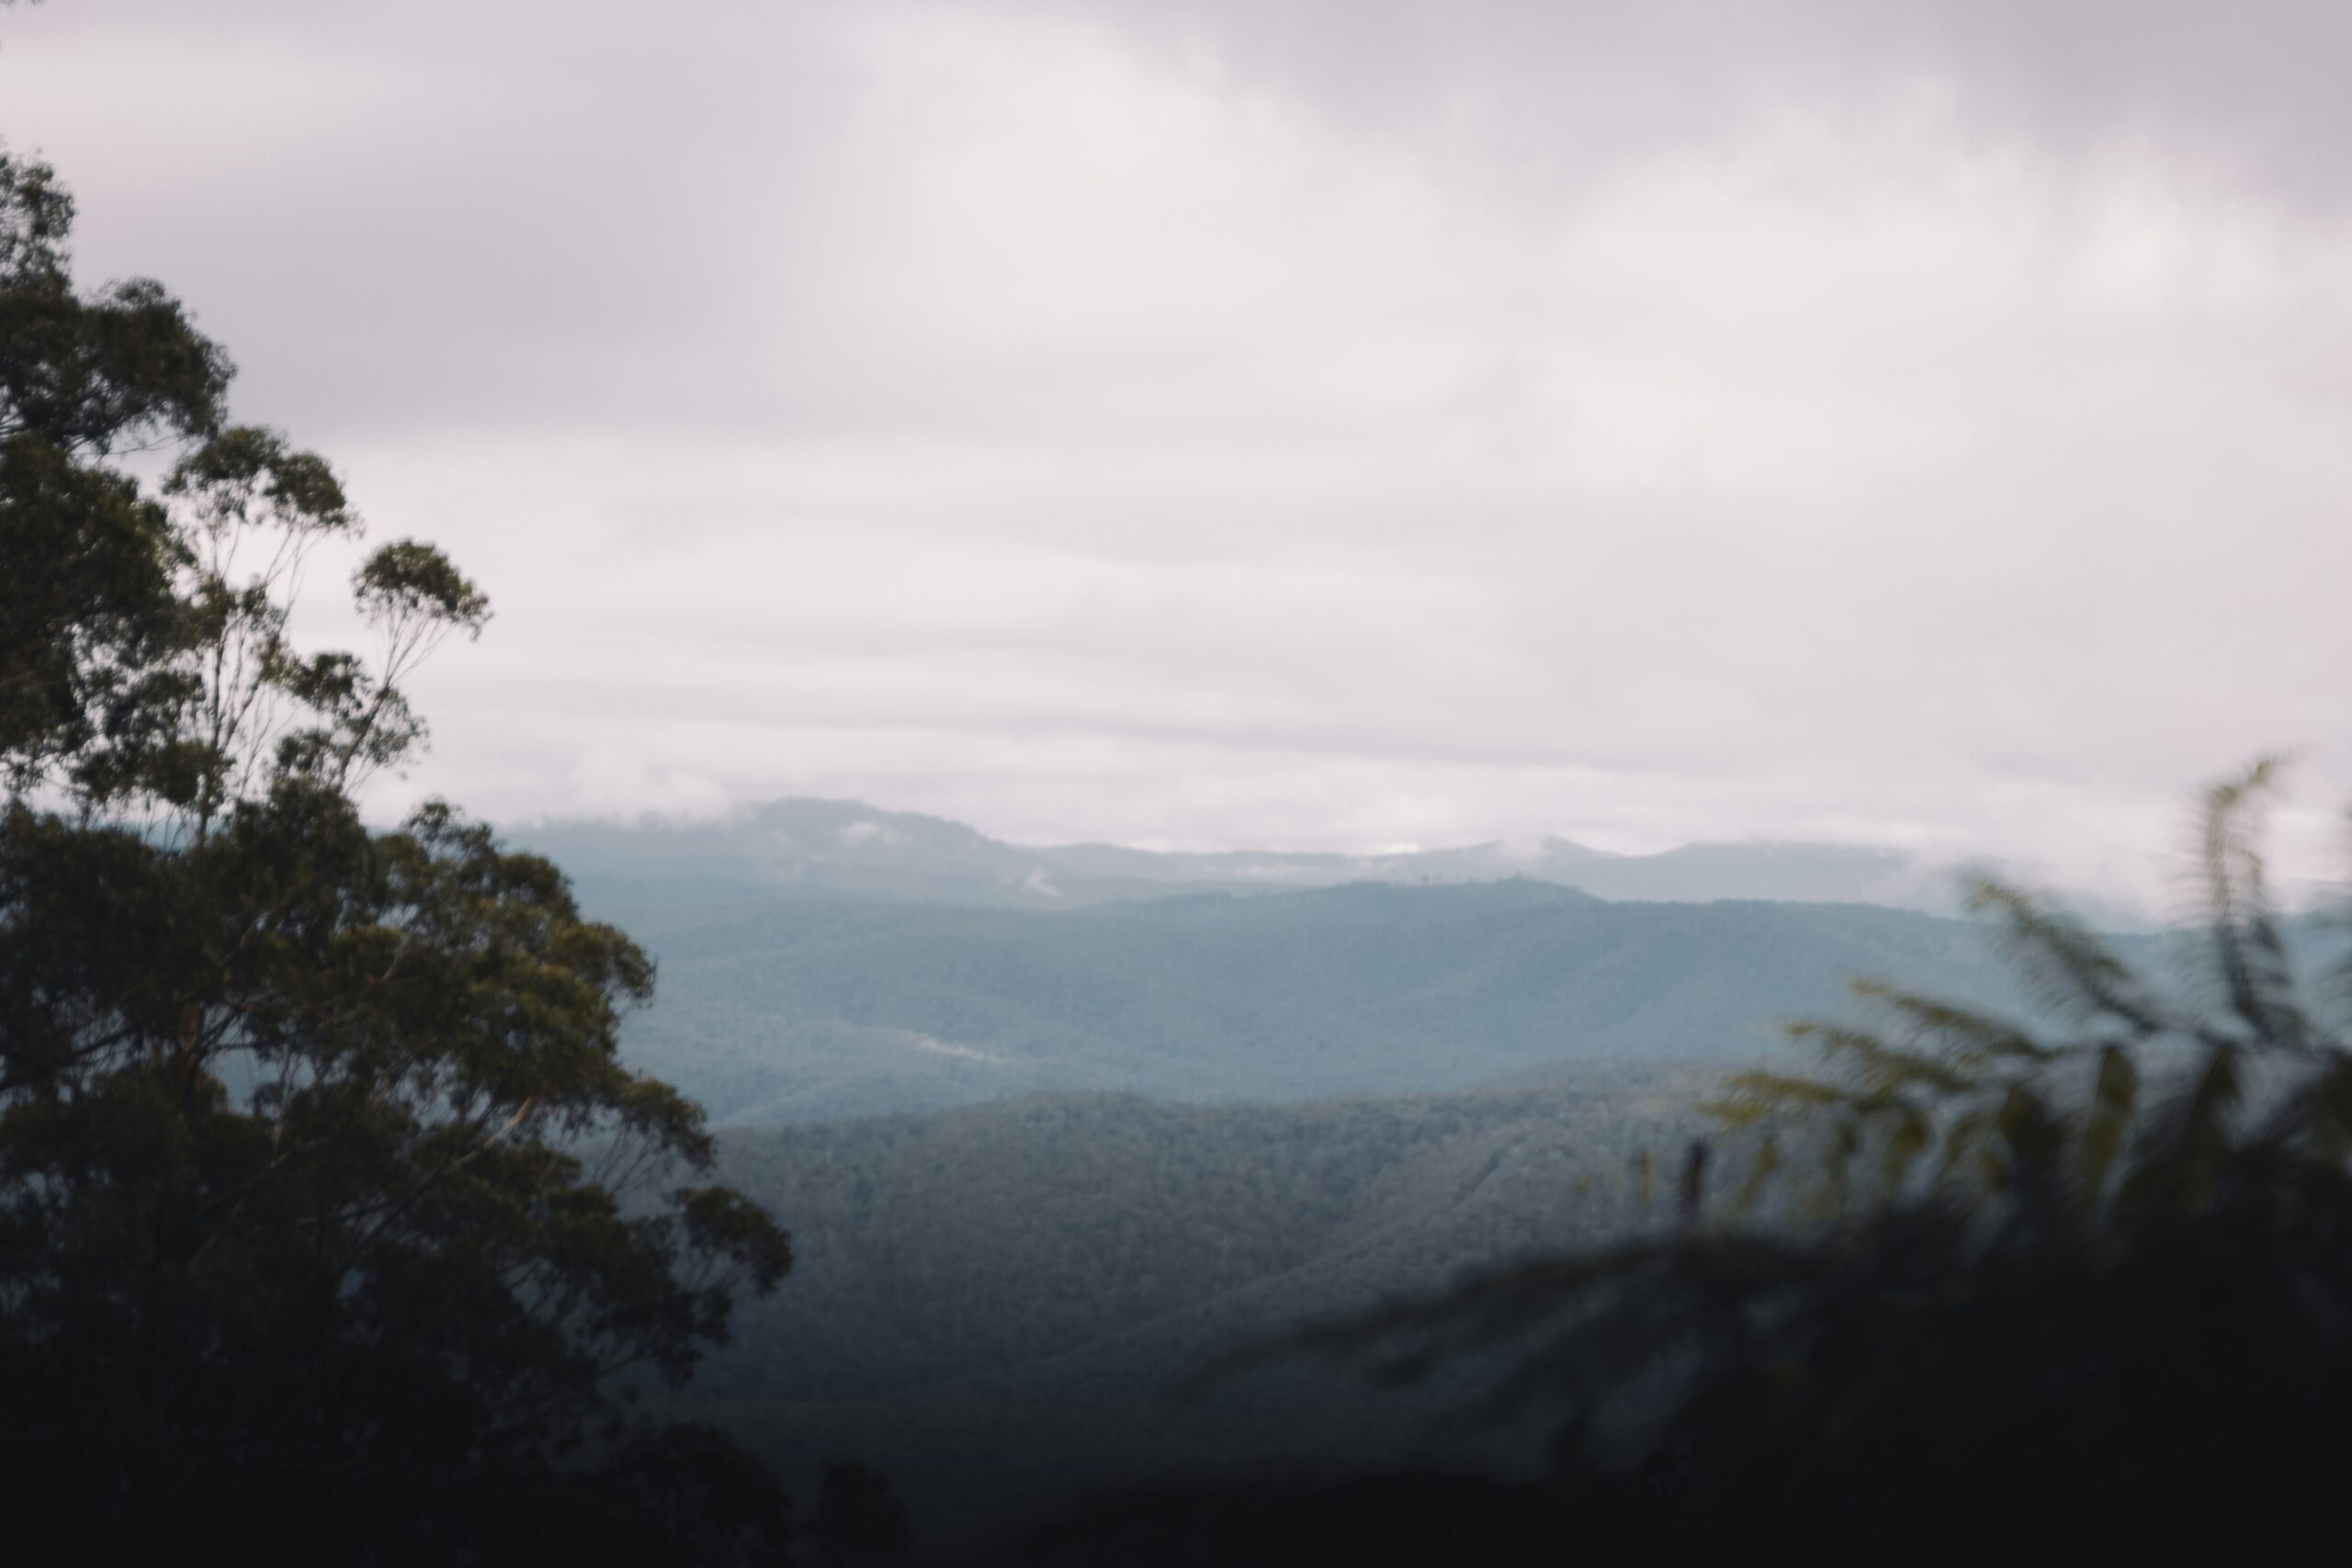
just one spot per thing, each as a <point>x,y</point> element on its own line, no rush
<point>800,1009</point>
<point>822,959</point>
<point>791,847</point>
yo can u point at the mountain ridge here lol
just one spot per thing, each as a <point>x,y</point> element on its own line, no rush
<point>795,1010</point>
<point>805,845</point>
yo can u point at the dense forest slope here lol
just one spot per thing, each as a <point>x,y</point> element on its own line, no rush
<point>791,1012</point>
<point>991,1302</point>
<point>932,1248</point>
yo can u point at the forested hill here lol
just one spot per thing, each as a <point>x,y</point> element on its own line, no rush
<point>774,1012</point>
<point>968,1244</point>
<point>991,1303</point>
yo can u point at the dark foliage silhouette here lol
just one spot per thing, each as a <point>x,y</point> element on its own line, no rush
<point>2023,1293</point>
<point>328,1216</point>
<point>858,1516</point>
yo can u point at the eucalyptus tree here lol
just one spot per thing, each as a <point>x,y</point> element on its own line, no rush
<point>329,1219</point>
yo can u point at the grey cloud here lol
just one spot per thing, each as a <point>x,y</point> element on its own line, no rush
<point>546,214</point>
<point>587,214</point>
<point>1322,421</point>
<point>2255,87</point>
<point>573,214</point>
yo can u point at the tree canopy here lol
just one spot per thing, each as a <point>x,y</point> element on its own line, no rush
<point>330,1220</point>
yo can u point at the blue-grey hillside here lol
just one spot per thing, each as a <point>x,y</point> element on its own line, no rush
<point>797,1011</point>
<point>791,849</point>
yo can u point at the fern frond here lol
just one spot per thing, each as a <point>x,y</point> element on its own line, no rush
<point>1690,1187</point>
<point>2188,1136</point>
<point>1845,1142</point>
<point>2249,954</point>
<point>2315,1115</point>
<point>1907,1141</point>
<point>2330,1097</point>
<point>1969,1039</point>
<point>1759,1172</point>
<point>2035,1137</point>
<point>1966,1137</point>
<point>1881,1068</point>
<point>1750,1097</point>
<point>2115,1100</point>
<point>2219,1089</point>
<point>2064,961</point>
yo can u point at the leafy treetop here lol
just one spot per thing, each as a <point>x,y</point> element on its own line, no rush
<point>329,1214</point>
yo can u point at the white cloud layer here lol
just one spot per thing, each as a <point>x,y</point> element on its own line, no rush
<point>1303,425</point>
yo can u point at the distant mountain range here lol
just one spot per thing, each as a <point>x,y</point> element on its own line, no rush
<point>793,848</point>
<point>822,959</point>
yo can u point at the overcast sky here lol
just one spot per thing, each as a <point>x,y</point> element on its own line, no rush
<point>1300,422</point>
